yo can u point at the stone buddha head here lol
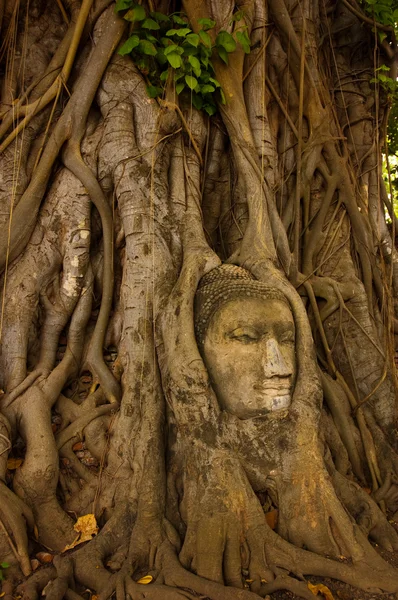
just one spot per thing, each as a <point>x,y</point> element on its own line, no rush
<point>246,335</point>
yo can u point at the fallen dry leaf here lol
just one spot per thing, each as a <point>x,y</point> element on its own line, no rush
<point>14,463</point>
<point>145,580</point>
<point>272,518</point>
<point>34,563</point>
<point>87,527</point>
<point>77,446</point>
<point>44,557</point>
<point>319,588</point>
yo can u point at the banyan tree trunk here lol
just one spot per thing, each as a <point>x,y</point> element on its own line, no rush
<point>118,456</point>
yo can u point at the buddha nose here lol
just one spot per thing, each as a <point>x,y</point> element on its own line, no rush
<point>273,362</point>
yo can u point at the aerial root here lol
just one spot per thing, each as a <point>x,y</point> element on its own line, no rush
<point>74,162</point>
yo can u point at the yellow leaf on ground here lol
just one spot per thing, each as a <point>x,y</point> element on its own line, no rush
<point>319,588</point>
<point>87,527</point>
<point>145,580</point>
<point>14,463</point>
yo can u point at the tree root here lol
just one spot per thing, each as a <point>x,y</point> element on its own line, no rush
<point>14,515</point>
<point>32,588</point>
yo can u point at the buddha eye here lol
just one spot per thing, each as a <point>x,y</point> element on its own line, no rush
<point>244,335</point>
<point>287,337</point>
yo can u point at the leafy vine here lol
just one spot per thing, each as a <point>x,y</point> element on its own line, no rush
<point>167,50</point>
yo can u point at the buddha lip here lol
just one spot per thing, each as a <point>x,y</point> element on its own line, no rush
<point>277,387</point>
<point>276,391</point>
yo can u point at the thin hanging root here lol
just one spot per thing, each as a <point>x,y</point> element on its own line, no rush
<point>173,106</point>
<point>74,162</point>
<point>30,110</point>
<point>367,439</point>
<point>63,11</point>
<point>73,117</point>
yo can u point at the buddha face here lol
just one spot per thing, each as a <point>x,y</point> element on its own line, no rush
<point>249,351</point>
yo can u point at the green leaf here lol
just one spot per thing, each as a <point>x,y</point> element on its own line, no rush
<point>174,59</point>
<point>191,81</point>
<point>206,23</point>
<point>180,32</point>
<point>150,24</point>
<point>153,91</point>
<point>183,32</point>
<point>238,15</point>
<point>4,565</point>
<point>160,57</point>
<point>207,89</point>
<point>122,5</point>
<point>197,101</point>
<point>178,20</point>
<point>226,40</point>
<point>204,36</point>
<point>159,16</point>
<point>244,40</point>
<point>164,75</point>
<point>171,48</point>
<point>210,109</point>
<point>195,64</point>
<point>223,99</point>
<point>143,64</point>
<point>179,87</point>
<point>189,50</point>
<point>193,39</point>
<point>137,13</point>
<point>222,53</point>
<point>150,37</point>
<point>147,48</point>
<point>215,82</point>
<point>129,45</point>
